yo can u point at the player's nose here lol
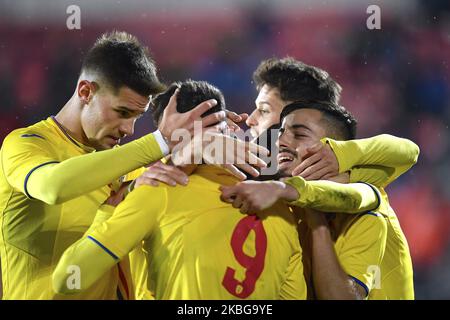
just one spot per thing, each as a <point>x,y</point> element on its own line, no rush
<point>282,140</point>
<point>127,128</point>
<point>251,120</point>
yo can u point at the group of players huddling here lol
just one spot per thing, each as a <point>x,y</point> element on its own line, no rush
<point>84,218</point>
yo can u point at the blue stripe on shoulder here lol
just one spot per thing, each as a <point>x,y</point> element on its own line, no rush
<point>377,194</point>
<point>28,176</point>
<point>371,213</point>
<point>104,248</point>
<point>362,284</point>
<point>29,135</point>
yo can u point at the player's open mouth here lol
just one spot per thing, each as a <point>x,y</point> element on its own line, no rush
<point>285,157</point>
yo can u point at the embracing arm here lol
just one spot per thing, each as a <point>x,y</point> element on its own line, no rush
<point>329,196</point>
<point>396,155</point>
<point>33,169</point>
<point>111,237</point>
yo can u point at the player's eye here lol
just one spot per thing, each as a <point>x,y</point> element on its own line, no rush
<point>123,113</point>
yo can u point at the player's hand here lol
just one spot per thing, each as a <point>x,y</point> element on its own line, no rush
<point>233,119</point>
<point>172,119</point>
<point>212,147</point>
<point>321,163</point>
<point>315,219</point>
<point>160,172</point>
<point>250,197</point>
<point>116,197</point>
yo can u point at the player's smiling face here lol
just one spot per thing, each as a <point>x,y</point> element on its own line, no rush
<point>268,109</point>
<point>111,116</point>
<point>300,130</point>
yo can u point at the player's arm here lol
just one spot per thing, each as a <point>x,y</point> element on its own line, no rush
<point>394,155</point>
<point>54,182</point>
<point>351,275</point>
<point>328,196</point>
<point>294,286</point>
<point>114,233</point>
<point>33,168</point>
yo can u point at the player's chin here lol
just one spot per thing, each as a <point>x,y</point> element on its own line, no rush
<point>285,171</point>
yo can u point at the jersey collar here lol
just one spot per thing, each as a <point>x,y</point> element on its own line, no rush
<point>69,137</point>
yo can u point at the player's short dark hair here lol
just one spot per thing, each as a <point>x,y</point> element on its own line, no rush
<point>296,80</point>
<point>120,60</point>
<point>339,122</point>
<point>190,95</point>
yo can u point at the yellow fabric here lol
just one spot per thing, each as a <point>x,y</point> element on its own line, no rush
<point>397,268</point>
<point>139,272</point>
<point>34,234</point>
<point>327,195</point>
<point>396,154</point>
<point>360,243</point>
<point>361,240</point>
<point>188,233</point>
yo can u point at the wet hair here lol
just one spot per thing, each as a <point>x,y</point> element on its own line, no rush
<point>296,80</point>
<point>120,60</point>
<point>190,95</point>
<point>339,123</point>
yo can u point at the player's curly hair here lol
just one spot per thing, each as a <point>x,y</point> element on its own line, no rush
<point>339,122</point>
<point>120,60</point>
<point>296,80</point>
<point>190,95</point>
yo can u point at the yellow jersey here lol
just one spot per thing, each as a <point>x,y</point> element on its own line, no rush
<point>379,161</point>
<point>370,244</point>
<point>34,233</point>
<point>199,247</point>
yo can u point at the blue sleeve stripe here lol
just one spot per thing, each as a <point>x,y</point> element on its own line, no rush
<point>28,176</point>
<point>371,213</point>
<point>104,248</point>
<point>376,193</point>
<point>29,135</point>
<point>361,284</point>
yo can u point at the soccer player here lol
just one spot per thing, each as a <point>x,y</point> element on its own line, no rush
<point>352,256</point>
<point>283,81</point>
<point>197,246</point>
<point>52,178</point>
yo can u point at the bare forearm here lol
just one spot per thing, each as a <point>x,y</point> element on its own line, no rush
<point>330,280</point>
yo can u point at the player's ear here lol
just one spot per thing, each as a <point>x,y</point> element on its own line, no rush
<point>86,90</point>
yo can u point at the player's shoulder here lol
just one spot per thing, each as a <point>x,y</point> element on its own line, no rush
<point>36,132</point>
<point>370,222</point>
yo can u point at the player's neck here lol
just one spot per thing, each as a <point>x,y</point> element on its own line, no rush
<point>70,118</point>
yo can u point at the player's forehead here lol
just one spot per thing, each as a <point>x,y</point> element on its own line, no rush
<point>131,99</point>
<point>270,96</point>
<point>308,119</point>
